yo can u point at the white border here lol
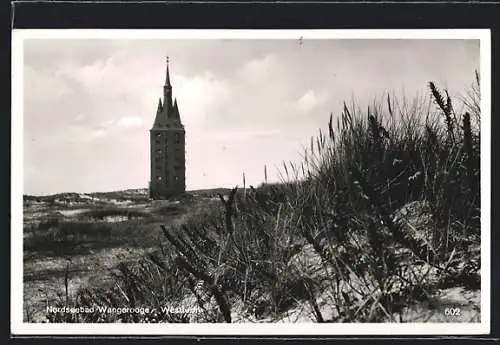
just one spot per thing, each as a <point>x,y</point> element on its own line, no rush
<point>18,327</point>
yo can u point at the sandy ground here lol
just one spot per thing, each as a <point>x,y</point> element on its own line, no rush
<point>44,277</point>
<point>44,281</point>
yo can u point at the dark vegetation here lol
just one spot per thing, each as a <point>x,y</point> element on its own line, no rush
<point>127,195</point>
<point>56,236</point>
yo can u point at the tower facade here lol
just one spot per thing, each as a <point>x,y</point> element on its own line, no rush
<point>168,150</point>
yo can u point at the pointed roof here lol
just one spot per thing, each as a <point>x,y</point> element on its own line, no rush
<point>160,119</point>
<point>167,114</point>
<point>176,111</point>
<point>160,106</point>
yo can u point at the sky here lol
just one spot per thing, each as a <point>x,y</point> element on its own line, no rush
<point>89,103</point>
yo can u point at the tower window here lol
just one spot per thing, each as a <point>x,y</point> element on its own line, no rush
<point>159,178</point>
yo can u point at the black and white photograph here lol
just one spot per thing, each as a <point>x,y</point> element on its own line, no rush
<point>282,182</point>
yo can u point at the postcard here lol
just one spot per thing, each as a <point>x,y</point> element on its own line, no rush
<point>271,182</point>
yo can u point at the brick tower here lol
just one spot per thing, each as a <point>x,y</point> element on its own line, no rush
<point>168,152</point>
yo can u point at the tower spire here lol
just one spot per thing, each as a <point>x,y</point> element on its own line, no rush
<point>167,81</point>
<point>167,91</point>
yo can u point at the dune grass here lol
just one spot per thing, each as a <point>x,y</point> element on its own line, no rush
<point>383,210</point>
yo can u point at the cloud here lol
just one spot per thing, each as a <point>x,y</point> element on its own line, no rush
<point>257,71</point>
<point>308,101</point>
<point>46,53</point>
<point>43,87</point>
<point>99,133</point>
<point>107,123</point>
<point>130,121</point>
<point>201,97</point>
<point>117,76</point>
<point>90,75</point>
<point>79,118</point>
<point>242,135</point>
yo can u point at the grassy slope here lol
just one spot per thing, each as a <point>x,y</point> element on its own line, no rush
<point>382,213</point>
